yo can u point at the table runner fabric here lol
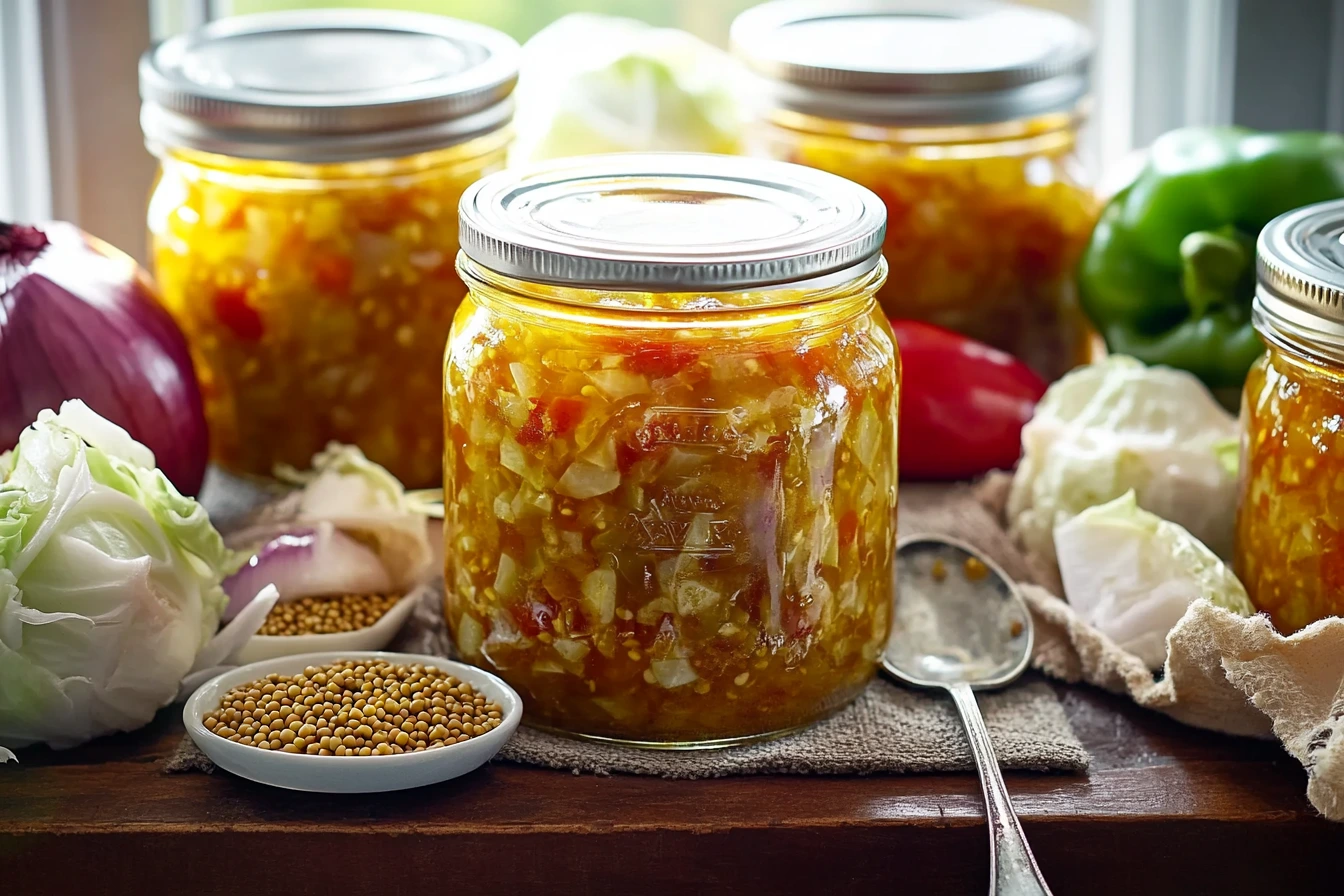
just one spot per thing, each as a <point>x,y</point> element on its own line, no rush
<point>1224,672</point>
<point>887,729</point>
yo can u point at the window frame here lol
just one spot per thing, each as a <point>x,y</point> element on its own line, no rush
<point>66,157</point>
<point>25,176</point>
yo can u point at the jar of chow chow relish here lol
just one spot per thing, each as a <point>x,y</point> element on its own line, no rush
<point>670,476</point>
<point>304,224</point>
<point>963,117</point>
<point>1290,520</point>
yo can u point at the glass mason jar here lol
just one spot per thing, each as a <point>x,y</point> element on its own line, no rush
<point>1290,520</point>
<point>670,475</point>
<point>304,235</point>
<point>964,118</point>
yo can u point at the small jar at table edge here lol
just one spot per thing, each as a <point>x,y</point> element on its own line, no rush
<point>1290,519</point>
<point>963,116</point>
<point>303,227</point>
<point>670,468</point>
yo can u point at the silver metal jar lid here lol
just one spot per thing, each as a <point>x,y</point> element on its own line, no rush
<point>915,62</point>
<point>327,85</point>
<point>1300,269</point>
<point>671,222</point>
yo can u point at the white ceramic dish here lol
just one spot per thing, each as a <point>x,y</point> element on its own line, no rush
<point>374,637</point>
<point>349,774</point>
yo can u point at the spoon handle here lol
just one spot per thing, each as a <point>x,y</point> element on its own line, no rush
<point>1012,867</point>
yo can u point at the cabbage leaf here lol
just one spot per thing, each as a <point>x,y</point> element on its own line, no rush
<point>1132,575</point>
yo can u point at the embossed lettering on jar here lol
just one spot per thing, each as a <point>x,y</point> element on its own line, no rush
<point>304,224</point>
<point>670,477</point>
<point>1290,519</point>
<point>963,115</point>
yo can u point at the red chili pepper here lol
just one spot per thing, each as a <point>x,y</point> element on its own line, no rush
<point>963,404</point>
<point>240,318</point>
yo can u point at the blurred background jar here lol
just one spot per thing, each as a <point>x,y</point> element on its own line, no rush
<point>303,226</point>
<point>670,476</point>
<point>964,118</point>
<point>1290,519</point>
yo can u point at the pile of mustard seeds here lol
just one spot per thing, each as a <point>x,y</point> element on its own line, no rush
<point>354,708</point>
<point>327,615</point>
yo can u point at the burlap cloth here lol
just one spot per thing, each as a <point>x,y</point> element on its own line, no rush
<point>887,729</point>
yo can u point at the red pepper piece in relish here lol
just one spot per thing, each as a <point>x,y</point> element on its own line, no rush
<point>627,456</point>
<point>659,359</point>
<point>848,527</point>
<point>233,311</point>
<point>331,272</point>
<point>548,419</point>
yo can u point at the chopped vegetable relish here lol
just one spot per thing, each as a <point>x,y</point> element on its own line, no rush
<point>1290,522</point>
<point>984,226</point>
<point>317,299</point>
<point>671,525</point>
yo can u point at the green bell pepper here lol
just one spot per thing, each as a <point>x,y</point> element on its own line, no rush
<point>1169,273</point>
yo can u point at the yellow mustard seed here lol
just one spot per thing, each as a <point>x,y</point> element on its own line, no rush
<point>974,570</point>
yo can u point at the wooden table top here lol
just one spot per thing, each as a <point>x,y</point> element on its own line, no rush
<point>1164,809</point>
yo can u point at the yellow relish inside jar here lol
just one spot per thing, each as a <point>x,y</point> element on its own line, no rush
<point>963,118</point>
<point>303,227</point>
<point>1290,520</point>
<point>670,475</point>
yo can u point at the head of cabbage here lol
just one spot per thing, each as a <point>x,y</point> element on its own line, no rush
<point>109,582</point>
<point>595,84</point>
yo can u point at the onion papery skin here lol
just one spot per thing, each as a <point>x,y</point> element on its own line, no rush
<point>307,562</point>
<point>80,319</point>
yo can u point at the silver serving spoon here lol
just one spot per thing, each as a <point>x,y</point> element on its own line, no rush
<point>961,626</point>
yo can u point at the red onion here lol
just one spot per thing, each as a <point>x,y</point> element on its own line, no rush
<point>307,562</point>
<point>79,319</point>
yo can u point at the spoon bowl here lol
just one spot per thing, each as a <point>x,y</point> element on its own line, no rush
<point>959,618</point>
<point>962,626</point>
